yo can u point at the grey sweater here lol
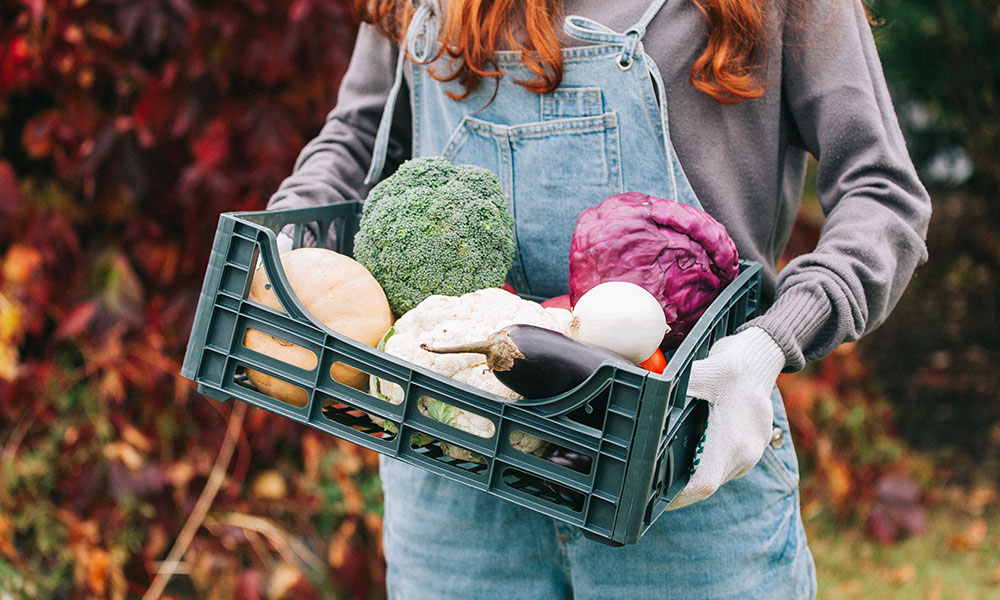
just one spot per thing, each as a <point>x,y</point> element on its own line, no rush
<point>825,96</point>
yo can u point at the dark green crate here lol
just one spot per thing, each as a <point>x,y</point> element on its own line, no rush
<point>643,429</point>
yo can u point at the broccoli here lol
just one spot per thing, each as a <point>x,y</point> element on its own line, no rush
<point>435,228</point>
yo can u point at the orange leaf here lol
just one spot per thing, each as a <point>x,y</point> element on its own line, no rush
<point>312,450</point>
<point>97,563</point>
<point>354,502</point>
<point>9,362</point>
<point>971,538</point>
<point>994,577</point>
<point>21,263</point>
<point>904,574</point>
<point>112,385</point>
<point>981,497</point>
<point>135,437</point>
<point>283,578</point>
<point>6,535</point>
<point>126,453</point>
<point>839,481</point>
<point>340,545</point>
<point>269,485</point>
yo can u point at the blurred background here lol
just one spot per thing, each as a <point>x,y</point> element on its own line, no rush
<point>127,126</point>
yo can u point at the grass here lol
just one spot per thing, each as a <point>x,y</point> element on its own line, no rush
<point>957,558</point>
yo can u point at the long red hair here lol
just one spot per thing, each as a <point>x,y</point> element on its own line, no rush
<point>474,30</point>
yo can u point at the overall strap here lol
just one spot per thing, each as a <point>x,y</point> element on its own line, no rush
<point>419,44</point>
<point>588,30</point>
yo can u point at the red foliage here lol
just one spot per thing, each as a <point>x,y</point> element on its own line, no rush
<point>126,127</point>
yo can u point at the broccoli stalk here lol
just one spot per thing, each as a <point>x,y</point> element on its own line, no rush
<point>435,228</point>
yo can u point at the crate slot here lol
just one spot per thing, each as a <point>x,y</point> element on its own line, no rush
<point>299,356</point>
<point>543,489</point>
<point>274,387</point>
<point>466,421</point>
<point>553,452</point>
<point>448,453</point>
<point>296,356</point>
<point>342,373</point>
<point>359,420</point>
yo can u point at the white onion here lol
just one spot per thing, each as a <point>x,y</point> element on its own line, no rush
<point>622,317</point>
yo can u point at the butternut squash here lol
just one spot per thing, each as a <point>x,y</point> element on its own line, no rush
<point>341,294</point>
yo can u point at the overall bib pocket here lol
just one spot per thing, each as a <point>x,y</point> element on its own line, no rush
<point>549,170</point>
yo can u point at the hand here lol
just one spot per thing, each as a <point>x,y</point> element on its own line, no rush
<point>736,378</point>
<point>284,243</point>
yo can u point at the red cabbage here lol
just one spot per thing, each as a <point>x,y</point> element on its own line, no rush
<point>679,253</point>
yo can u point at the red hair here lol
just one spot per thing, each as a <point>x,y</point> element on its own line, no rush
<point>472,31</point>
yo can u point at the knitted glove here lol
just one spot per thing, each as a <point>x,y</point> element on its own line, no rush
<point>736,378</point>
<point>284,242</point>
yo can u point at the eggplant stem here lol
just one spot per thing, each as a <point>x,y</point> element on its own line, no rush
<point>482,347</point>
<point>499,349</point>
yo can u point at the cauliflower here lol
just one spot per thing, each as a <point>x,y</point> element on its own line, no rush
<point>448,320</point>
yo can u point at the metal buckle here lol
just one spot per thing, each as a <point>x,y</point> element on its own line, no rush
<point>627,58</point>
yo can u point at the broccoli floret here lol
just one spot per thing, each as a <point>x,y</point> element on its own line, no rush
<point>435,228</point>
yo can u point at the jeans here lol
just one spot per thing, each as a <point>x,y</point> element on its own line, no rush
<point>444,540</point>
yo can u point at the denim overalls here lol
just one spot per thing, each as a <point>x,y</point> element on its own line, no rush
<point>603,131</point>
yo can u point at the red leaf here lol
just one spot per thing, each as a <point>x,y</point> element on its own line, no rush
<point>74,323</point>
<point>897,510</point>
<point>212,148</point>
<point>299,10</point>
<point>38,134</point>
<point>249,586</point>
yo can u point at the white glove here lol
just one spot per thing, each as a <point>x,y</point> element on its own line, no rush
<point>284,242</point>
<point>736,378</point>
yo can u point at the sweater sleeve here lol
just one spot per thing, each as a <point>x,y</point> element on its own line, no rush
<point>332,166</point>
<point>876,210</point>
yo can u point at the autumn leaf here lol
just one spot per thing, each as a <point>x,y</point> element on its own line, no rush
<point>994,577</point>
<point>212,147</point>
<point>39,135</point>
<point>77,320</point>
<point>970,539</point>
<point>21,264</point>
<point>897,510</point>
<point>269,485</point>
<point>249,585</point>
<point>10,196</point>
<point>903,574</point>
<point>7,549</point>
<point>153,22</point>
<point>97,571</point>
<point>839,481</point>
<point>283,579</point>
<point>340,544</point>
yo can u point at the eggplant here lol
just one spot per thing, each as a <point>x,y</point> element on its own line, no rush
<point>571,459</point>
<point>537,362</point>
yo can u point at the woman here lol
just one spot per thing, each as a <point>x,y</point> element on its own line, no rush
<point>712,102</point>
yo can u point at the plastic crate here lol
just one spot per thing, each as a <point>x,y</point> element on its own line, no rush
<point>638,428</point>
